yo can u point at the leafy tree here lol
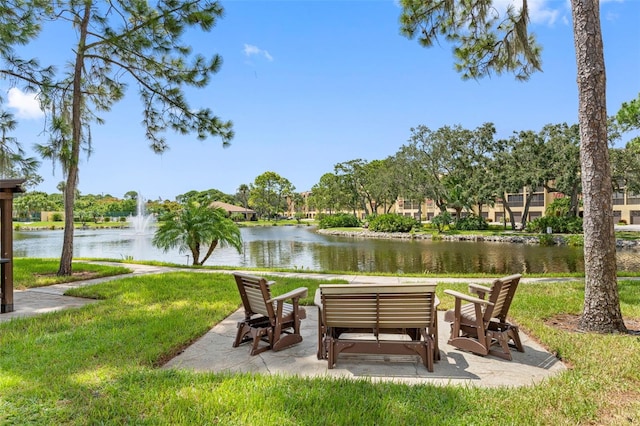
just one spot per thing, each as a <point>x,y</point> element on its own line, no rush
<point>30,203</point>
<point>625,162</point>
<point>205,197</point>
<point>413,180</point>
<point>327,195</point>
<point>13,161</point>
<point>484,42</point>
<point>427,155</point>
<point>195,228</point>
<point>382,179</point>
<point>131,195</point>
<point>117,44</point>
<point>451,165</point>
<point>629,115</point>
<point>353,181</point>
<point>625,165</point>
<point>269,193</point>
<point>561,159</point>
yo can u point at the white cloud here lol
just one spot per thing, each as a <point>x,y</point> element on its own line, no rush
<point>26,104</point>
<point>540,11</point>
<point>251,50</point>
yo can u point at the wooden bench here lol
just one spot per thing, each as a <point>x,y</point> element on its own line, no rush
<point>394,319</point>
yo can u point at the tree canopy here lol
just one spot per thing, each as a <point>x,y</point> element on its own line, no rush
<point>115,45</point>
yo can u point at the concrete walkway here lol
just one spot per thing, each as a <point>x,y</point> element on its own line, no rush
<point>214,352</point>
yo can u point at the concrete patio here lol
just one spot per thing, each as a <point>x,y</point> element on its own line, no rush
<point>214,352</point>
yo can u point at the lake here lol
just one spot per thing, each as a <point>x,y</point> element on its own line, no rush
<point>301,248</point>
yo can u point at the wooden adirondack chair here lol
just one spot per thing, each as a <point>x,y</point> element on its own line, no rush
<point>268,319</point>
<point>481,323</point>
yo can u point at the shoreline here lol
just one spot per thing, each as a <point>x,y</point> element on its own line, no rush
<point>512,239</point>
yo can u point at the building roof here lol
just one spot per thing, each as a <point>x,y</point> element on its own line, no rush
<point>231,208</point>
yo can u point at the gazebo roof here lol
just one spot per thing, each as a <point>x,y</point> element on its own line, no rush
<point>231,208</point>
<point>14,184</point>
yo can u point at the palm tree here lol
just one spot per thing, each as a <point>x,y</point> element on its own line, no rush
<point>243,194</point>
<point>196,228</point>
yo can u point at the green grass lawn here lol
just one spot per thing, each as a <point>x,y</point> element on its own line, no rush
<point>99,365</point>
<point>33,272</point>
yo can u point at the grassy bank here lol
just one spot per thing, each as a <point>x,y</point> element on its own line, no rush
<point>99,365</point>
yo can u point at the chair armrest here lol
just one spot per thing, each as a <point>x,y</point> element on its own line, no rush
<point>467,298</point>
<point>293,294</point>
<point>480,290</point>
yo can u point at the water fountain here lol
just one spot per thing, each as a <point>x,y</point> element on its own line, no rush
<point>141,224</point>
<point>141,221</point>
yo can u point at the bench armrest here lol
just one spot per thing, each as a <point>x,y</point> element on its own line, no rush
<point>293,294</point>
<point>317,300</point>
<point>468,298</point>
<point>480,290</point>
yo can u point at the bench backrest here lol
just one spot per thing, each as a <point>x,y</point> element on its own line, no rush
<point>254,292</point>
<point>378,306</point>
<point>502,292</point>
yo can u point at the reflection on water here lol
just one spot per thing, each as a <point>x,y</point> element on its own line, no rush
<point>301,248</point>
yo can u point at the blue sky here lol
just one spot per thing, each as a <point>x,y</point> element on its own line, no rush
<point>309,84</point>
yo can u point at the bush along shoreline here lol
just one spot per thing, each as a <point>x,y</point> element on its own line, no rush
<point>542,239</point>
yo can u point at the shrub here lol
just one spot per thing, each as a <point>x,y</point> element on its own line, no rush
<point>576,240</point>
<point>106,219</point>
<point>471,223</point>
<point>57,217</point>
<point>237,217</point>
<point>442,220</point>
<point>558,224</point>
<point>338,220</point>
<point>390,222</point>
<point>546,240</point>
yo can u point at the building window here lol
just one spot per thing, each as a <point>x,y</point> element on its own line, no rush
<point>411,205</point>
<point>618,198</point>
<point>633,198</point>
<point>617,216</point>
<point>537,200</point>
<point>515,200</point>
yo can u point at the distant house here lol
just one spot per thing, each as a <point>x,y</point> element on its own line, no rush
<point>231,209</point>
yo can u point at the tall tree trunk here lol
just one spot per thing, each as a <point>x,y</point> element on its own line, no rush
<point>525,211</point>
<point>76,136</point>
<point>507,208</point>
<point>601,300</point>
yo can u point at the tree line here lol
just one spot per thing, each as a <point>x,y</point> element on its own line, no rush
<point>457,168</point>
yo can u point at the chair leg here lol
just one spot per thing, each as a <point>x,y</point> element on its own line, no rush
<point>501,338</point>
<point>241,336</point>
<point>322,351</point>
<point>514,334</point>
<point>258,334</point>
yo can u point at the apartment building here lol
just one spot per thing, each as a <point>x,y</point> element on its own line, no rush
<point>626,207</point>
